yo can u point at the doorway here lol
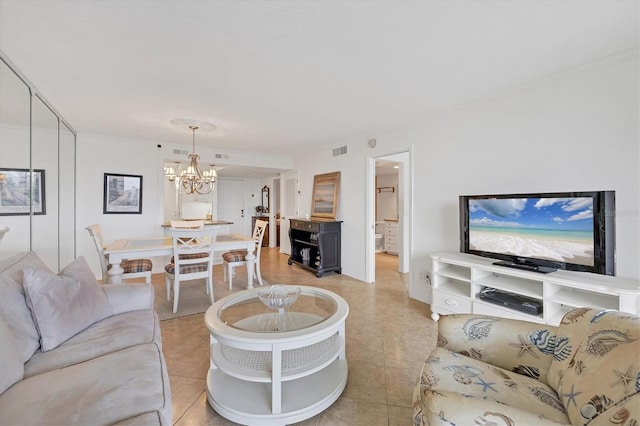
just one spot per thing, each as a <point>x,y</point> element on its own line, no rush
<point>402,193</point>
<point>289,203</point>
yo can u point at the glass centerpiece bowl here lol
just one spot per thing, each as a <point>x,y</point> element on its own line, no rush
<point>279,296</point>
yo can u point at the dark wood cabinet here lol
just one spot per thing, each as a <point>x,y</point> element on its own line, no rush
<point>315,245</point>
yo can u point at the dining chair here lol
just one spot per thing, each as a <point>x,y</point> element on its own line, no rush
<point>234,258</point>
<point>192,259</point>
<point>133,268</point>
<point>184,224</point>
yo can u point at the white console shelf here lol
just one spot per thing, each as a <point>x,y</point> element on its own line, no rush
<point>458,279</point>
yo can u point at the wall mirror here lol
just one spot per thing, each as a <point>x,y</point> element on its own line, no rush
<point>265,199</point>
<point>324,202</point>
<point>15,105</point>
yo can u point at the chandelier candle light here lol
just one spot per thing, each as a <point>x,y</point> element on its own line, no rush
<point>191,180</point>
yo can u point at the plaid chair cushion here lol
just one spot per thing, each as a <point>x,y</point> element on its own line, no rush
<point>186,269</point>
<point>135,265</point>
<point>234,256</point>
<point>190,256</point>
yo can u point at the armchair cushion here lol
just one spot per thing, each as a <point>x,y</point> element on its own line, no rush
<point>605,369</point>
<point>63,305</point>
<point>473,379</point>
<point>491,370</point>
<point>523,347</point>
<point>444,408</point>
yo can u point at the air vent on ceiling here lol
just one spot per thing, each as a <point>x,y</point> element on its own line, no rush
<point>180,152</point>
<point>341,150</point>
<point>222,156</point>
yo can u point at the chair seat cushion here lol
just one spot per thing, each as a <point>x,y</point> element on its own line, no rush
<point>190,256</point>
<point>234,256</point>
<point>135,265</point>
<point>186,269</point>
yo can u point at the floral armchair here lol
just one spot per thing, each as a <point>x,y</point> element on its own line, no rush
<point>497,371</point>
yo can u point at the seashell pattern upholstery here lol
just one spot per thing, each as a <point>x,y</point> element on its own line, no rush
<point>499,371</point>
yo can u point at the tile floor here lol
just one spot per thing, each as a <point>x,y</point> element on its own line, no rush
<point>388,336</point>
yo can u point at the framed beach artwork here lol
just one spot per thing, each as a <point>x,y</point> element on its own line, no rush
<point>324,202</point>
<point>122,194</point>
<point>22,192</point>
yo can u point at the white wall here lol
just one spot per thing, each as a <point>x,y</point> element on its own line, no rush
<point>577,130</point>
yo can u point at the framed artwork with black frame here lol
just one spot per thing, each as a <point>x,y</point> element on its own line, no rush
<point>22,192</point>
<point>122,194</point>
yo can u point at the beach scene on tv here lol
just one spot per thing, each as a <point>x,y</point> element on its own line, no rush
<point>557,229</point>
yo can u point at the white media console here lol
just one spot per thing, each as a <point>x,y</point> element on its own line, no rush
<point>458,279</point>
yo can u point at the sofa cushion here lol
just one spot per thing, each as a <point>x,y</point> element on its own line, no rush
<point>65,304</point>
<point>445,370</point>
<point>13,304</point>
<point>605,369</point>
<point>104,337</point>
<point>12,366</point>
<point>105,390</point>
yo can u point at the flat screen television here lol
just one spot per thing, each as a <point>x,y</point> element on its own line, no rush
<point>542,232</point>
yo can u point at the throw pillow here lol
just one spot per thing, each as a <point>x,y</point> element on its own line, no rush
<point>65,304</point>
<point>12,366</point>
<point>13,304</point>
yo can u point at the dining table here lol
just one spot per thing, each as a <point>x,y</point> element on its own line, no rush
<point>134,248</point>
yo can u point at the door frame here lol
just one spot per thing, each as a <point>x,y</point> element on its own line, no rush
<point>405,209</point>
<point>284,226</point>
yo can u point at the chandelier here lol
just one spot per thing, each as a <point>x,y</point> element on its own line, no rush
<point>191,180</point>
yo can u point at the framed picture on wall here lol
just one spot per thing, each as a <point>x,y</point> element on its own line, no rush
<point>22,192</point>
<point>122,194</point>
<point>324,202</point>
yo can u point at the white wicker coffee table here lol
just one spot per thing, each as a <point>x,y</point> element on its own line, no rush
<point>275,367</point>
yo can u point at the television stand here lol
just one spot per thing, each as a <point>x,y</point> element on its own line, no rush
<point>526,267</point>
<point>458,281</point>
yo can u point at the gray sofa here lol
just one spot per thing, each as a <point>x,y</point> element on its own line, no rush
<point>73,352</point>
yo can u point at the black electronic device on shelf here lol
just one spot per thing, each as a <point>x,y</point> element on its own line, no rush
<point>511,301</point>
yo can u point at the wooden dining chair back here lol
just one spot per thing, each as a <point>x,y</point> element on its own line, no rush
<point>234,258</point>
<point>192,259</point>
<point>133,268</point>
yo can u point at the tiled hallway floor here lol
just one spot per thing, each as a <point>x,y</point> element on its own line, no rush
<point>388,336</point>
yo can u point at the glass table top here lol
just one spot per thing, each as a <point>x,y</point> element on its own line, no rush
<point>252,314</point>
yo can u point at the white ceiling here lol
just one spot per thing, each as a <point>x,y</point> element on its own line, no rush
<point>279,76</point>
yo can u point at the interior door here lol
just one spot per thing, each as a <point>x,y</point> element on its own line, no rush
<point>231,204</point>
<point>288,206</point>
